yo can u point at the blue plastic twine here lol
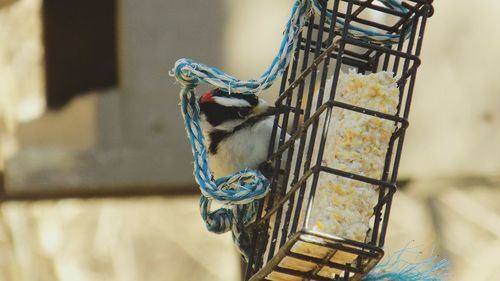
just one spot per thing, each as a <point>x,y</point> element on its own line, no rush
<point>239,191</point>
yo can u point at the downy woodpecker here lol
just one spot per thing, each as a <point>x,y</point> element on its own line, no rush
<point>237,129</point>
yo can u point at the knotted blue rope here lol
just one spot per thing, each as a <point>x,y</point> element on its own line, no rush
<point>240,191</point>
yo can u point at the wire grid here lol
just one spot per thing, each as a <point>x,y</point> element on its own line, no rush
<point>322,53</point>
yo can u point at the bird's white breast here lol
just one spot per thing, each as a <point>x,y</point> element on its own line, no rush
<point>246,148</point>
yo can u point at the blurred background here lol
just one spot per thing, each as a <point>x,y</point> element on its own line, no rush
<point>96,175</point>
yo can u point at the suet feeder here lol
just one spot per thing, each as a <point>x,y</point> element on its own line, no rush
<point>291,242</point>
<point>348,70</point>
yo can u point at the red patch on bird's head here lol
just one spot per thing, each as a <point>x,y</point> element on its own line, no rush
<point>207,97</point>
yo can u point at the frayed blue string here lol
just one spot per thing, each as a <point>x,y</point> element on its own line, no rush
<point>396,268</point>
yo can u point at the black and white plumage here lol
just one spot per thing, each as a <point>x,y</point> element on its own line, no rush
<point>237,129</point>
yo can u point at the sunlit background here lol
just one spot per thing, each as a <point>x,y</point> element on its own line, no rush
<point>87,109</point>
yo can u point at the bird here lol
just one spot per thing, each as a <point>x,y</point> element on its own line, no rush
<point>237,128</point>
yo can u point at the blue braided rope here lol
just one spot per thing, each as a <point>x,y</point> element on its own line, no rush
<point>241,190</point>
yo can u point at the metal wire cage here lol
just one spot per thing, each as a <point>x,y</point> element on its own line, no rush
<point>323,52</point>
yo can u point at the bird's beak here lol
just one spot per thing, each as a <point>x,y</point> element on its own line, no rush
<point>265,110</point>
